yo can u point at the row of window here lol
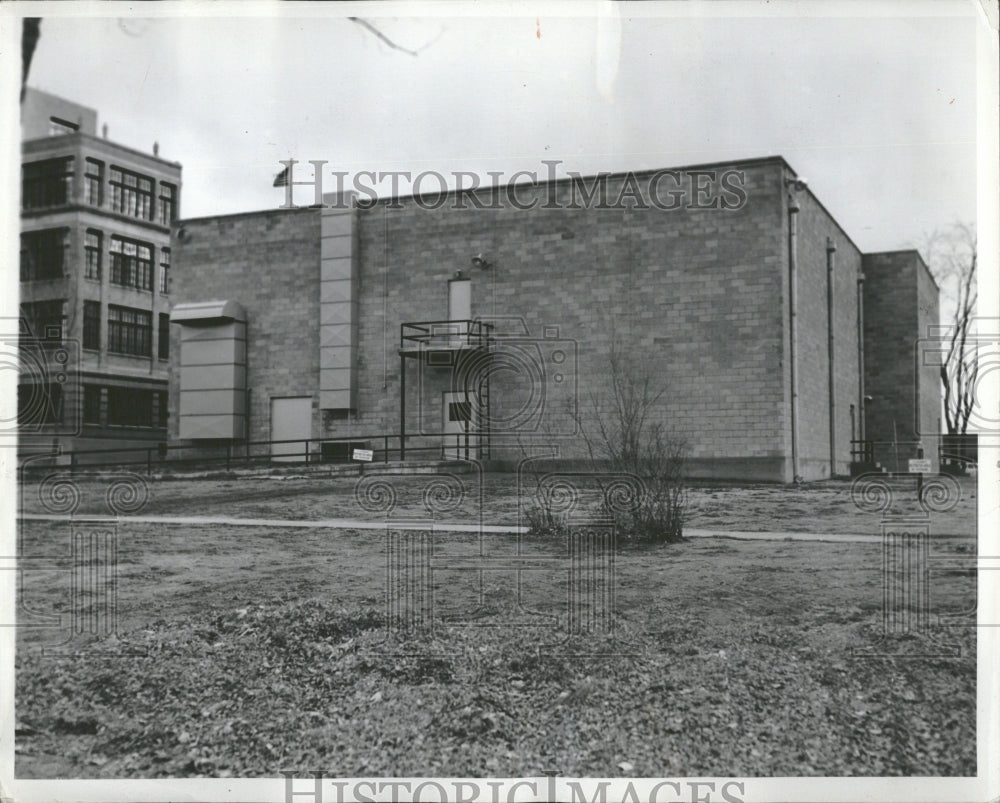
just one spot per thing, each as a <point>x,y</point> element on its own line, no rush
<point>103,405</point>
<point>130,330</point>
<point>50,183</point>
<point>43,256</point>
<point>125,407</point>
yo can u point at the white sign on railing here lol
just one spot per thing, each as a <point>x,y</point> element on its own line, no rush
<point>365,455</point>
<point>919,465</point>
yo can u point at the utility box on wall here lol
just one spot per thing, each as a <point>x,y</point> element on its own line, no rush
<point>213,370</point>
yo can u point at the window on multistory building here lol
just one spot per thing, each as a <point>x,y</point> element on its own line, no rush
<point>165,271</point>
<point>130,407</point>
<point>93,182</point>
<point>47,183</point>
<point>131,263</point>
<point>92,324</point>
<point>131,193</point>
<point>130,331</point>
<point>92,253</point>
<point>168,203</point>
<point>43,254</point>
<point>163,344</point>
<point>160,409</point>
<point>44,319</point>
<point>39,403</point>
<point>92,404</point>
<point>58,127</point>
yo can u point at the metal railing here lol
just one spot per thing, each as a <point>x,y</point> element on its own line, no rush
<point>862,451</point>
<point>230,455</point>
<point>961,449</point>
<point>445,334</point>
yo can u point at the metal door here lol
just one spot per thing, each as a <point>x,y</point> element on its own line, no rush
<point>461,431</point>
<point>291,420</point>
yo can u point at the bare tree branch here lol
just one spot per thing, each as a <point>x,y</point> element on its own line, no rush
<point>952,258</point>
<point>381,36</point>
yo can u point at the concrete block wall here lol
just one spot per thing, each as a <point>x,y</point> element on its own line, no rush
<point>902,396</point>
<point>815,227</point>
<point>695,295</point>
<point>698,297</point>
<point>269,262</point>
<point>929,421</point>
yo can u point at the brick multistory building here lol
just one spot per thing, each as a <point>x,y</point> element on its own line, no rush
<point>484,328</point>
<point>95,283</point>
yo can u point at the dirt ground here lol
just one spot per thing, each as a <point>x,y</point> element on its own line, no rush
<point>823,507</point>
<point>730,657</point>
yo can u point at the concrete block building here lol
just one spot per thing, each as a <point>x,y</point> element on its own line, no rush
<point>902,382</point>
<point>465,326</point>
<point>95,283</point>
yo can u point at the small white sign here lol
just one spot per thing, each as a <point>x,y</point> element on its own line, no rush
<point>920,465</point>
<point>363,454</point>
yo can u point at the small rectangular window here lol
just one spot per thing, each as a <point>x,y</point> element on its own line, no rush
<point>92,325</point>
<point>92,249</point>
<point>168,203</point>
<point>164,271</point>
<point>58,127</point>
<point>460,411</point>
<point>94,182</point>
<point>91,404</point>
<point>163,337</point>
<point>160,409</point>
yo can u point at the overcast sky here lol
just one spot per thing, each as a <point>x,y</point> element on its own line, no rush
<point>878,113</point>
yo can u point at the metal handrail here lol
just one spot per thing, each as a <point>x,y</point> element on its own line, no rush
<point>475,331</point>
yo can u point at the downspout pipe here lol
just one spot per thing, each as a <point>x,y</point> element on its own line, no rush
<point>793,236</point>
<point>831,249</point>
<point>861,358</point>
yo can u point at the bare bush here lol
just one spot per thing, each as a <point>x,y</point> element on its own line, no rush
<point>542,518</point>
<point>624,437</point>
